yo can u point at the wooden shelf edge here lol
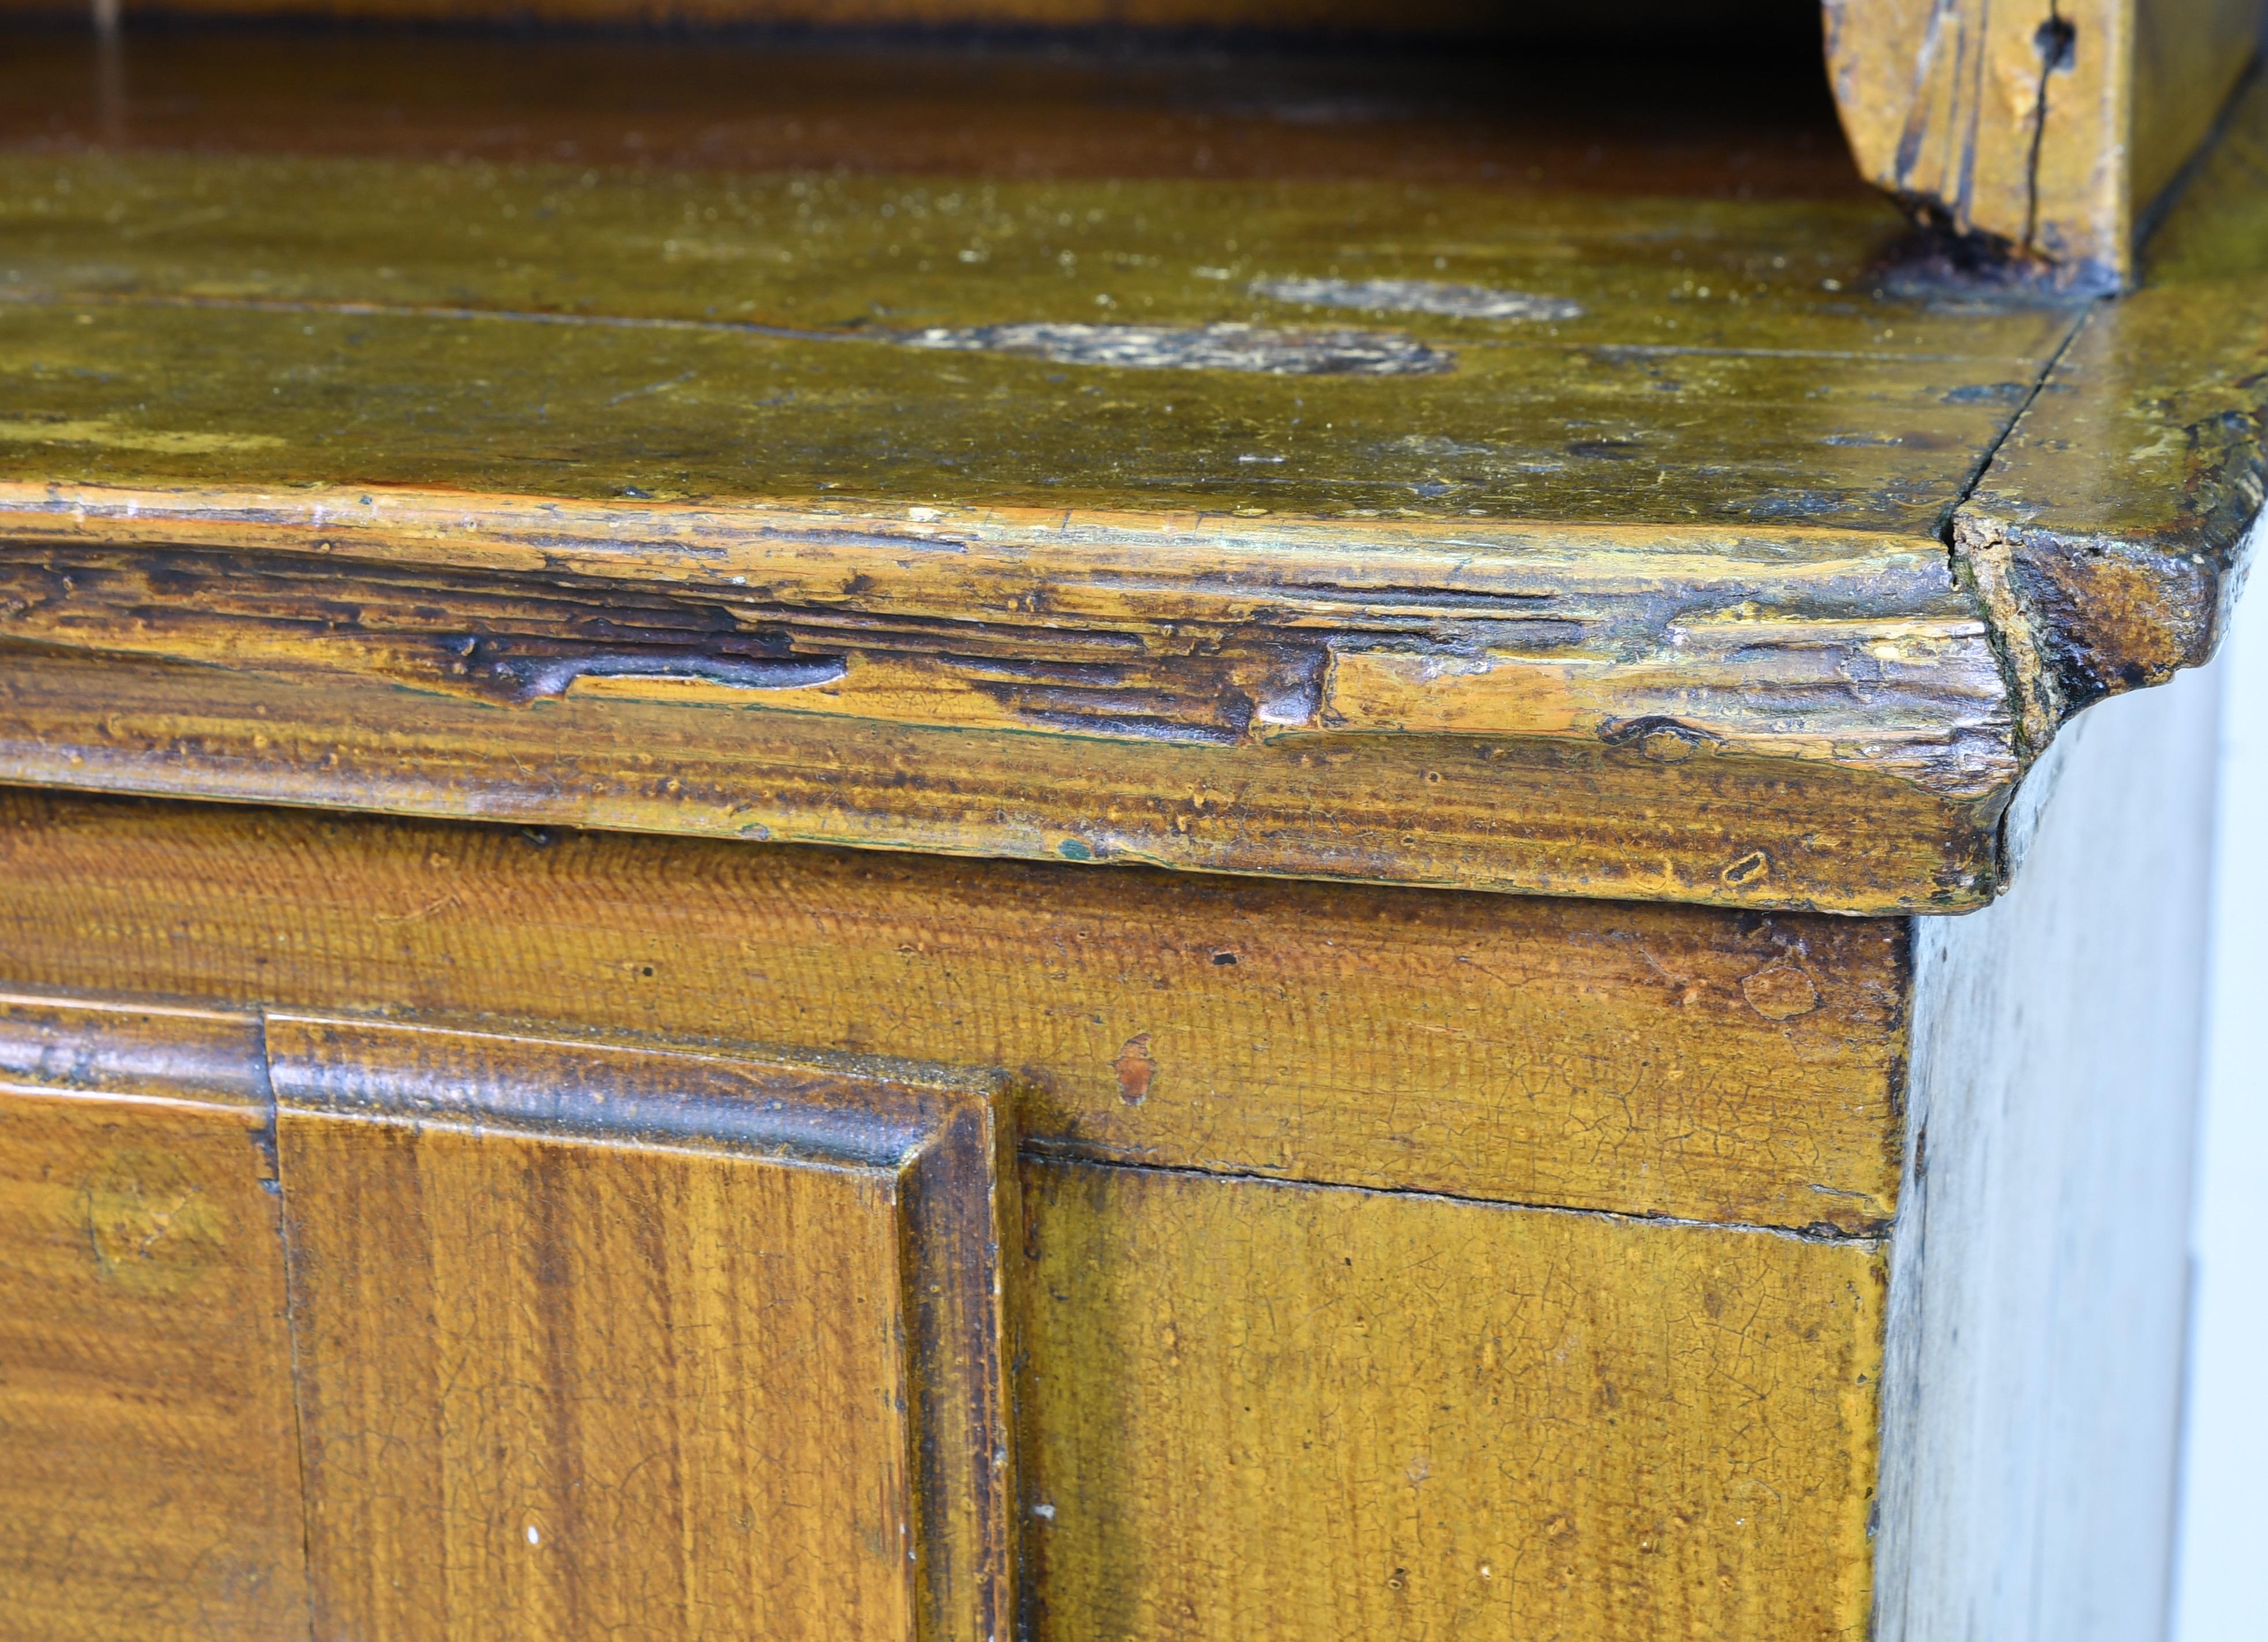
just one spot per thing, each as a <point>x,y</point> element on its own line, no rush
<point>2111,534</point>
<point>1791,719</point>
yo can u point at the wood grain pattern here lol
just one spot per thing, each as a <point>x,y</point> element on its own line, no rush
<point>1657,1060</point>
<point>149,1487</point>
<point>1302,571</point>
<point>1653,817</point>
<point>1397,1416</point>
<point>1123,600</point>
<point>991,515</point>
<point>1818,646</point>
<point>598,1342</point>
<point>2046,126</point>
<point>1951,107</point>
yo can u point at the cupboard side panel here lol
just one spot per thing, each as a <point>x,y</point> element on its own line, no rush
<point>2040,1256</point>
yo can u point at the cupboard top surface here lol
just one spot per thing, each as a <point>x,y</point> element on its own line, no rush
<point>1114,402</point>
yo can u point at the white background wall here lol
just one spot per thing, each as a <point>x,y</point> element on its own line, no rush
<point>2221,1579</point>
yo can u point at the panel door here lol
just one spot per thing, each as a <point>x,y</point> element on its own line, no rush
<point>583,1341</point>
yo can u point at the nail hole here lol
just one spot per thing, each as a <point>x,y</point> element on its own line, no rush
<point>2058,43</point>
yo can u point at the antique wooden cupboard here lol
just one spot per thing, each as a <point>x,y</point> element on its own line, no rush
<point>1110,834</point>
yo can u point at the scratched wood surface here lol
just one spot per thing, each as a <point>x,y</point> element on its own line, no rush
<point>1656,814</point>
<point>1657,1060</point>
<point>2045,126</point>
<point>1392,1416</point>
<point>1167,490</point>
<point>1451,353</point>
<point>1534,539</point>
<point>148,1469</point>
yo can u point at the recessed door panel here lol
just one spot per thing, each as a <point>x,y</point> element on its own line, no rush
<point>598,1343</point>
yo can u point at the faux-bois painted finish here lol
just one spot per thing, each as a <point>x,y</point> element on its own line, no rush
<point>521,1231</point>
<point>1654,1060</point>
<point>150,1483</point>
<point>1472,1258</point>
<point>1347,1358</point>
<point>581,1340</point>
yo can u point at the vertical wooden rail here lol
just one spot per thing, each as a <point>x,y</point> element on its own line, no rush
<point>149,1469</point>
<point>2048,127</point>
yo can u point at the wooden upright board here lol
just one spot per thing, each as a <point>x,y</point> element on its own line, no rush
<point>596,1340</point>
<point>149,1467</point>
<point>2048,126</point>
<point>1266,1412</point>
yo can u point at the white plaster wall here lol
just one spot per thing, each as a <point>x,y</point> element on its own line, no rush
<point>2220,1590</point>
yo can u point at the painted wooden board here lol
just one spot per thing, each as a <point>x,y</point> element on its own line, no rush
<point>560,1390</point>
<point>148,1468</point>
<point>538,1380</point>
<point>2044,127</point>
<point>1655,1060</point>
<point>1527,540</point>
<point>1659,816</point>
<point>2040,1264</point>
<point>1402,1417</point>
<point>580,1339</point>
<point>593,1342</point>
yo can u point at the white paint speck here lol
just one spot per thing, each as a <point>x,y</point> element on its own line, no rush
<point>1230,346</point>
<point>1418,296</point>
<point>533,1538</point>
<point>1045,1512</point>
